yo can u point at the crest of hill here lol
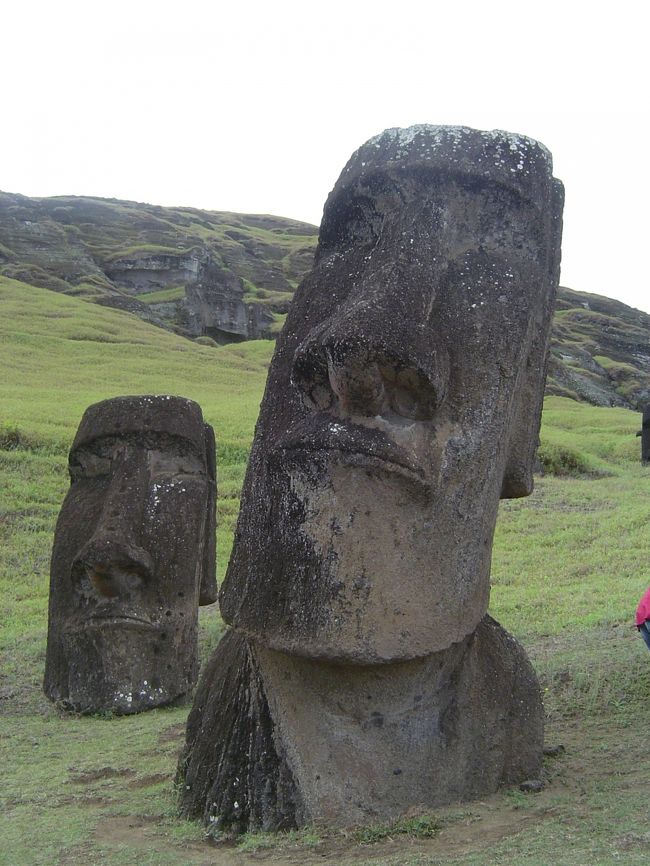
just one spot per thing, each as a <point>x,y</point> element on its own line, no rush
<point>221,277</point>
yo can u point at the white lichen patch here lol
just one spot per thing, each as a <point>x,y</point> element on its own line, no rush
<point>507,151</point>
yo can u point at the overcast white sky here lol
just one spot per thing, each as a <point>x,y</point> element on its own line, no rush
<point>256,106</point>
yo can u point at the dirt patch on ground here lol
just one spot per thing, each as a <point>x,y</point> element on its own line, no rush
<point>173,734</point>
<point>145,832</point>
<point>136,831</point>
<point>85,777</point>
<point>486,827</point>
<point>483,825</point>
<point>148,781</point>
<point>464,829</point>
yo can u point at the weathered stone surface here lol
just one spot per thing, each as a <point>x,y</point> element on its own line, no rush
<point>354,744</point>
<point>532,786</point>
<point>403,398</point>
<point>133,556</point>
<point>214,306</point>
<point>233,772</point>
<point>403,401</point>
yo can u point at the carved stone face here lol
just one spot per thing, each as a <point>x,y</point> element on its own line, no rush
<point>133,556</point>
<point>403,400</point>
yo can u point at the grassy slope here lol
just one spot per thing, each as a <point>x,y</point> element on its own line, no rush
<point>74,245</point>
<point>569,564</point>
<point>600,351</point>
<point>600,348</point>
<point>64,354</point>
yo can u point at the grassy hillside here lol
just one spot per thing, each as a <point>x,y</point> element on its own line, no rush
<point>600,351</point>
<point>142,258</point>
<point>227,276</point>
<point>569,564</point>
<point>60,355</point>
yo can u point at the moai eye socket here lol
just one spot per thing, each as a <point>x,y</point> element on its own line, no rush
<point>166,463</point>
<point>89,465</point>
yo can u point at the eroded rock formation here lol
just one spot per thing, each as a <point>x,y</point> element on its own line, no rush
<point>232,276</point>
<point>363,675</point>
<point>200,273</point>
<point>133,556</point>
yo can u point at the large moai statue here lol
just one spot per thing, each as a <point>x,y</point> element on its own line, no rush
<point>362,675</point>
<point>133,556</point>
<point>644,433</point>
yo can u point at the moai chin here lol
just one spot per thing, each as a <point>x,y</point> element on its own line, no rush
<point>403,400</point>
<point>133,556</point>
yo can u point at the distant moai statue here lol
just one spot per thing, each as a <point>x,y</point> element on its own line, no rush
<point>362,675</point>
<point>644,433</point>
<point>133,556</point>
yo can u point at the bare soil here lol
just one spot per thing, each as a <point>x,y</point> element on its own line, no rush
<point>575,776</point>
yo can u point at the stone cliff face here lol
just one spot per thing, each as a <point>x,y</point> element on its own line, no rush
<point>231,277</point>
<point>600,351</point>
<point>220,275</point>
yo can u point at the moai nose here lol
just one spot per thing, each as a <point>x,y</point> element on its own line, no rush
<point>112,561</point>
<point>113,569</point>
<point>355,377</point>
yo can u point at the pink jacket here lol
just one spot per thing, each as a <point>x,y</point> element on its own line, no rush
<point>643,610</point>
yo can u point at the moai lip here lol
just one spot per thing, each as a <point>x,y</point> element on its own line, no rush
<point>362,675</point>
<point>133,556</point>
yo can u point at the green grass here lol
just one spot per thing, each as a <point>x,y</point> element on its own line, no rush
<point>59,355</point>
<point>421,826</point>
<point>162,296</point>
<point>569,565</point>
<point>278,323</point>
<point>266,297</point>
<point>146,250</point>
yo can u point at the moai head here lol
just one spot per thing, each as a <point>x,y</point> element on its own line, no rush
<point>403,400</point>
<point>133,557</point>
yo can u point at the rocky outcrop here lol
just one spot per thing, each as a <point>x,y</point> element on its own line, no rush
<point>600,351</point>
<point>232,276</point>
<point>199,273</point>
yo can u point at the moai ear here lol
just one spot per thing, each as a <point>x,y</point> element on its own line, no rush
<point>208,586</point>
<point>524,439</point>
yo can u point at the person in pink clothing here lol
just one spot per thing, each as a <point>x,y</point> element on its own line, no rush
<point>642,617</point>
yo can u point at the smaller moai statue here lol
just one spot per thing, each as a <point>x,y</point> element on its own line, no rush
<point>644,433</point>
<point>133,556</point>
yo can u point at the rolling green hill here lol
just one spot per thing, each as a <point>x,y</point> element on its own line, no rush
<point>225,277</point>
<point>60,354</point>
<point>600,351</point>
<point>200,273</point>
